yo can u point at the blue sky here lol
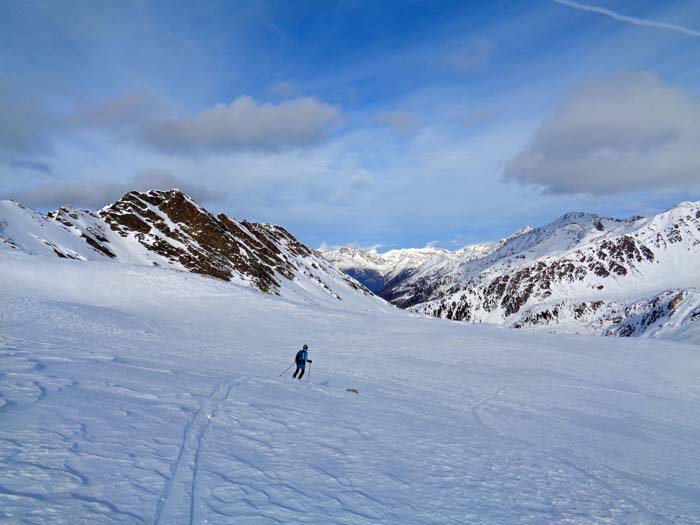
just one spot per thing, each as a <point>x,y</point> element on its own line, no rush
<point>379,123</point>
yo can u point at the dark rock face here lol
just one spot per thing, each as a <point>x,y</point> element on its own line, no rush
<point>392,292</point>
<point>369,278</point>
<point>511,291</point>
<point>420,290</point>
<point>637,318</point>
<point>173,226</point>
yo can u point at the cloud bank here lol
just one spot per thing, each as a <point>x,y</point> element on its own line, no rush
<point>244,124</point>
<point>620,134</point>
<point>28,131</point>
<point>124,111</point>
<point>23,125</point>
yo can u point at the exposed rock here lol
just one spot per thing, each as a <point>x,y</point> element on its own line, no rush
<point>168,229</point>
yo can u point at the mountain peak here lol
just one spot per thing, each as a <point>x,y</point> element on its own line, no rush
<point>686,206</point>
<point>518,233</point>
<point>167,228</point>
<point>577,217</point>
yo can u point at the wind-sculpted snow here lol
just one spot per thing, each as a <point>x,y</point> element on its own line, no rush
<point>131,394</point>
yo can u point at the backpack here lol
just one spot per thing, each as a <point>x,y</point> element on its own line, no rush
<point>300,358</point>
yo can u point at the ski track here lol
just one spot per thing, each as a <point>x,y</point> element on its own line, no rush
<point>190,451</point>
<point>480,404</point>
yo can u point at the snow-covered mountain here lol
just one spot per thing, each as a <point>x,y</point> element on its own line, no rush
<point>385,273</point>
<point>584,273</point>
<point>581,273</point>
<point>377,270</point>
<point>170,230</point>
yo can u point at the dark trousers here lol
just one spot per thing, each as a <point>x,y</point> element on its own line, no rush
<point>299,368</point>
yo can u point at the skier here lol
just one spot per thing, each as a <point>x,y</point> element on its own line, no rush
<point>301,359</point>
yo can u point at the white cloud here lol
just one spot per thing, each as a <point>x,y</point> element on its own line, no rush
<point>244,124</point>
<point>620,134</point>
<point>30,133</point>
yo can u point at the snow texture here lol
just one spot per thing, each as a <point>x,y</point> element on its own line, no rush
<point>135,394</point>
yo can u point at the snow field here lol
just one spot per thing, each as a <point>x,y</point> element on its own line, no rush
<point>140,395</point>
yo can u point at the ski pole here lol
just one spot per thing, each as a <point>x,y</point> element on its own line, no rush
<point>309,376</point>
<point>285,370</point>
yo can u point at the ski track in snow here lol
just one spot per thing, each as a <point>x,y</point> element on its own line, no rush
<point>476,406</point>
<point>190,451</point>
<point>169,410</point>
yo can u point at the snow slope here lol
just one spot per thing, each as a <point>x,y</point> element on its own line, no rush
<point>134,394</point>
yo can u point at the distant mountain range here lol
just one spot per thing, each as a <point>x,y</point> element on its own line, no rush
<point>170,230</point>
<point>582,273</point>
<point>385,273</point>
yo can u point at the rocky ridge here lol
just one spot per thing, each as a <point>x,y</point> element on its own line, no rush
<point>169,229</point>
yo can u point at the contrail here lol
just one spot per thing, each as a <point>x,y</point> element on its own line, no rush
<point>628,19</point>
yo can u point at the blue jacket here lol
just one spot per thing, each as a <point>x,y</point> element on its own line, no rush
<point>301,358</point>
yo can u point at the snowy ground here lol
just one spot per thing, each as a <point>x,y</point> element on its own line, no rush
<point>138,395</point>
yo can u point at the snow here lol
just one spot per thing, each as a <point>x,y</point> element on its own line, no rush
<point>23,228</point>
<point>131,394</point>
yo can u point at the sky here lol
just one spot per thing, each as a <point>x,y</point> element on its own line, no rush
<point>390,124</point>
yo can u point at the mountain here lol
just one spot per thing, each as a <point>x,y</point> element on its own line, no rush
<point>168,229</point>
<point>377,271</point>
<point>581,273</point>
<point>385,273</point>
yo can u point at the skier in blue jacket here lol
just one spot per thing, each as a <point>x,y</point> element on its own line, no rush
<point>301,359</point>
